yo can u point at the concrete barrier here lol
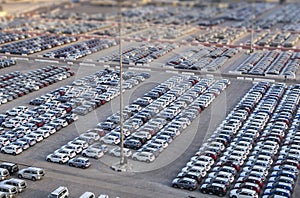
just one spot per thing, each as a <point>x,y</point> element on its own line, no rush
<point>188,73</point>
<point>46,61</point>
<point>263,80</point>
<point>87,64</point>
<point>210,76</point>
<point>139,69</point>
<point>20,58</point>
<point>173,72</point>
<point>235,72</point>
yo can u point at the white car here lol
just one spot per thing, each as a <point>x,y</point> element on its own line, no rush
<point>32,173</point>
<point>22,129</point>
<point>71,153</point>
<point>143,156</point>
<point>12,149</point>
<point>49,129</point>
<point>203,158</point>
<point>134,108</point>
<point>255,169</point>
<point>222,174</point>
<point>142,134</point>
<point>83,144</point>
<point>109,139</point>
<point>61,122</point>
<point>205,165</point>
<point>90,136</point>
<point>14,112</point>
<point>11,124</point>
<point>161,142</point>
<point>34,136</point>
<point>45,134</point>
<point>73,147</point>
<point>243,193</point>
<point>4,141</point>
<point>117,152</point>
<point>58,158</point>
<point>194,169</point>
<point>92,152</point>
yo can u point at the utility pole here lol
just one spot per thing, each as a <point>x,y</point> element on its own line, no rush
<point>252,24</point>
<point>122,158</point>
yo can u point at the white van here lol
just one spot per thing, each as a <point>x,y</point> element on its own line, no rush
<point>20,184</point>
<point>3,173</point>
<point>10,191</point>
<point>60,192</point>
<point>88,195</point>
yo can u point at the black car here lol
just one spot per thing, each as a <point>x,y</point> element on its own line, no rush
<point>132,143</point>
<point>11,167</point>
<point>186,183</point>
<point>216,189</point>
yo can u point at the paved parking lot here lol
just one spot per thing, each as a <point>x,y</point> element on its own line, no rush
<point>169,156</point>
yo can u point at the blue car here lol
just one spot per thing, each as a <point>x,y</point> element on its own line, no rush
<point>284,173</point>
<point>276,192</point>
<point>281,185</point>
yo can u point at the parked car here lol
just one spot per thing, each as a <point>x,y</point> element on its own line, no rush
<point>11,167</point>
<point>92,152</point>
<point>80,162</point>
<point>117,152</point>
<point>12,149</point>
<point>57,158</point>
<point>32,173</point>
<point>143,156</point>
<point>185,183</point>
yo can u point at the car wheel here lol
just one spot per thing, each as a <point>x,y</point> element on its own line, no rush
<point>148,161</point>
<point>221,195</point>
<point>48,160</point>
<point>175,186</point>
<point>234,196</point>
<point>204,191</point>
<point>14,153</point>
<point>190,189</point>
<point>33,179</point>
<point>60,162</point>
<point>20,176</point>
<point>70,164</point>
<point>134,158</point>
<point>84,155</point>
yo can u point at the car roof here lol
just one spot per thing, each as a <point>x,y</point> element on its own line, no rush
<point>8,163</point>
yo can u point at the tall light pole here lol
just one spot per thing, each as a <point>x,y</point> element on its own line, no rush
<point>122,157</point>
<point>252,24</point>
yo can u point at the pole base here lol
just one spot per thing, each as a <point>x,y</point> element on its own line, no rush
<point>121,167</point>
